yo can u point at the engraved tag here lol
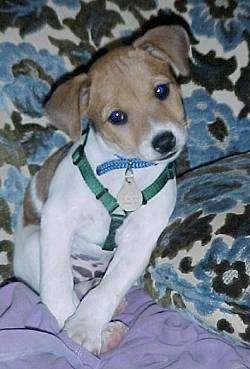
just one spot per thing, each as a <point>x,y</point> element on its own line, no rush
<point>129,197</point>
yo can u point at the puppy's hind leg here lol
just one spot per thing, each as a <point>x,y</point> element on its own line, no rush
<point>26,261</point>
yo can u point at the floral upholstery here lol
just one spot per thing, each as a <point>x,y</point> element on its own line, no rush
<point>204,253</point>
<point>202,261</point>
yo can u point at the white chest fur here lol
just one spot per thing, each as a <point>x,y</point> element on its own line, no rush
<point>86,216</point>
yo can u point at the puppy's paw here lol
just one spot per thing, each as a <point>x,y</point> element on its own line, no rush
<point>112,335</point>
<point>86,333</point>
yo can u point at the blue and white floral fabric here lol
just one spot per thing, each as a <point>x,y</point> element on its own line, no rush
<point>227,20</point>
<point>42,40</point>
<point>214,131</point>
<point>202,261</point>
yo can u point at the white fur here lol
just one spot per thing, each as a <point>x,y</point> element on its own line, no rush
<point>36,202</point>
<point>72,220</point>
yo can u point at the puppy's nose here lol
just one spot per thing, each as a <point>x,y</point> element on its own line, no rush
<point>164,142</point>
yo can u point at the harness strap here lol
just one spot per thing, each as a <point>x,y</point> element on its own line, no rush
<point>116,221</point>
<point>168,173</point>
<point>101,193</point>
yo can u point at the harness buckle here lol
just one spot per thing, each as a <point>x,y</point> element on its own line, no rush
<point>77,155</point>
<point>100,194</point>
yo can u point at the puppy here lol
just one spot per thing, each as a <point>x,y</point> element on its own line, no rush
<point>133,103</point>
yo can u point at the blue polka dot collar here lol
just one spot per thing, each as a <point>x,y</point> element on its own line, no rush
<point>122,162</point>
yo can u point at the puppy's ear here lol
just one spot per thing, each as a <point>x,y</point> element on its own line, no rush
<point>66,104</point>
<point>169,43</point>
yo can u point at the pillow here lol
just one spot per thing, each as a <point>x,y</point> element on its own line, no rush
<point>202,260</point>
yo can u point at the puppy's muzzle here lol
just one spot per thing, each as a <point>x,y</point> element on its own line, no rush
<point>164,143</point>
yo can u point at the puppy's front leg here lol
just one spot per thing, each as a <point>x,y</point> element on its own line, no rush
<point>135,244</point>
<point>56,278</point>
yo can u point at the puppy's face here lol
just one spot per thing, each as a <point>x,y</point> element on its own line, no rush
<point>131,96</point>
<point>136,105</point>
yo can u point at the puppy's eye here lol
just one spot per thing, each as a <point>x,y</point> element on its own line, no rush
<point>118,117</point>
<point>161,91</point>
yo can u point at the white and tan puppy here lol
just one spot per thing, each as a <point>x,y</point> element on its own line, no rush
<point>133,102</point>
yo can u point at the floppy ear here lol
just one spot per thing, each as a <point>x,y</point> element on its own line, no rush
<point>66,103</point>
<point>169,43</point>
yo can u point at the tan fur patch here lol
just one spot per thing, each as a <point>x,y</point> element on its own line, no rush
<point>43,180</point>
<point>47,171</point>
<point>125,79</point>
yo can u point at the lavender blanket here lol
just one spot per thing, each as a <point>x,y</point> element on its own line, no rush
<point>157,339</point>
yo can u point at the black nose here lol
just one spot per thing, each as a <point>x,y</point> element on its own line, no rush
<point>164,142</point>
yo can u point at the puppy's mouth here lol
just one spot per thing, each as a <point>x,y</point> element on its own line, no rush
<point>164,157</point>
<point>167,156</point>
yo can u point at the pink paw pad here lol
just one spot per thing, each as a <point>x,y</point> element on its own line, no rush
<point>112,335</point>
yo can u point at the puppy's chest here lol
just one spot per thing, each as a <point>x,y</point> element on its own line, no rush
<point>93,220</point>
<point>92,225</point>
<point>88,259</point>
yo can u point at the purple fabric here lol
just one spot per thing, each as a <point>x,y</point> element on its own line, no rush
<point>157,339</point>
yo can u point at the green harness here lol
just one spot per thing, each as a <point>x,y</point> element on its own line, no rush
<point>102,194</point>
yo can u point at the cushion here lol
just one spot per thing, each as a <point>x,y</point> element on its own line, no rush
<point>202,260</point>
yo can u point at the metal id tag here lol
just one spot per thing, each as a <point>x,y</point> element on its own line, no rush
<point>129,197</point>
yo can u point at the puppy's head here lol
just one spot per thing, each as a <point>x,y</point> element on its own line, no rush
<point>131,96</point>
